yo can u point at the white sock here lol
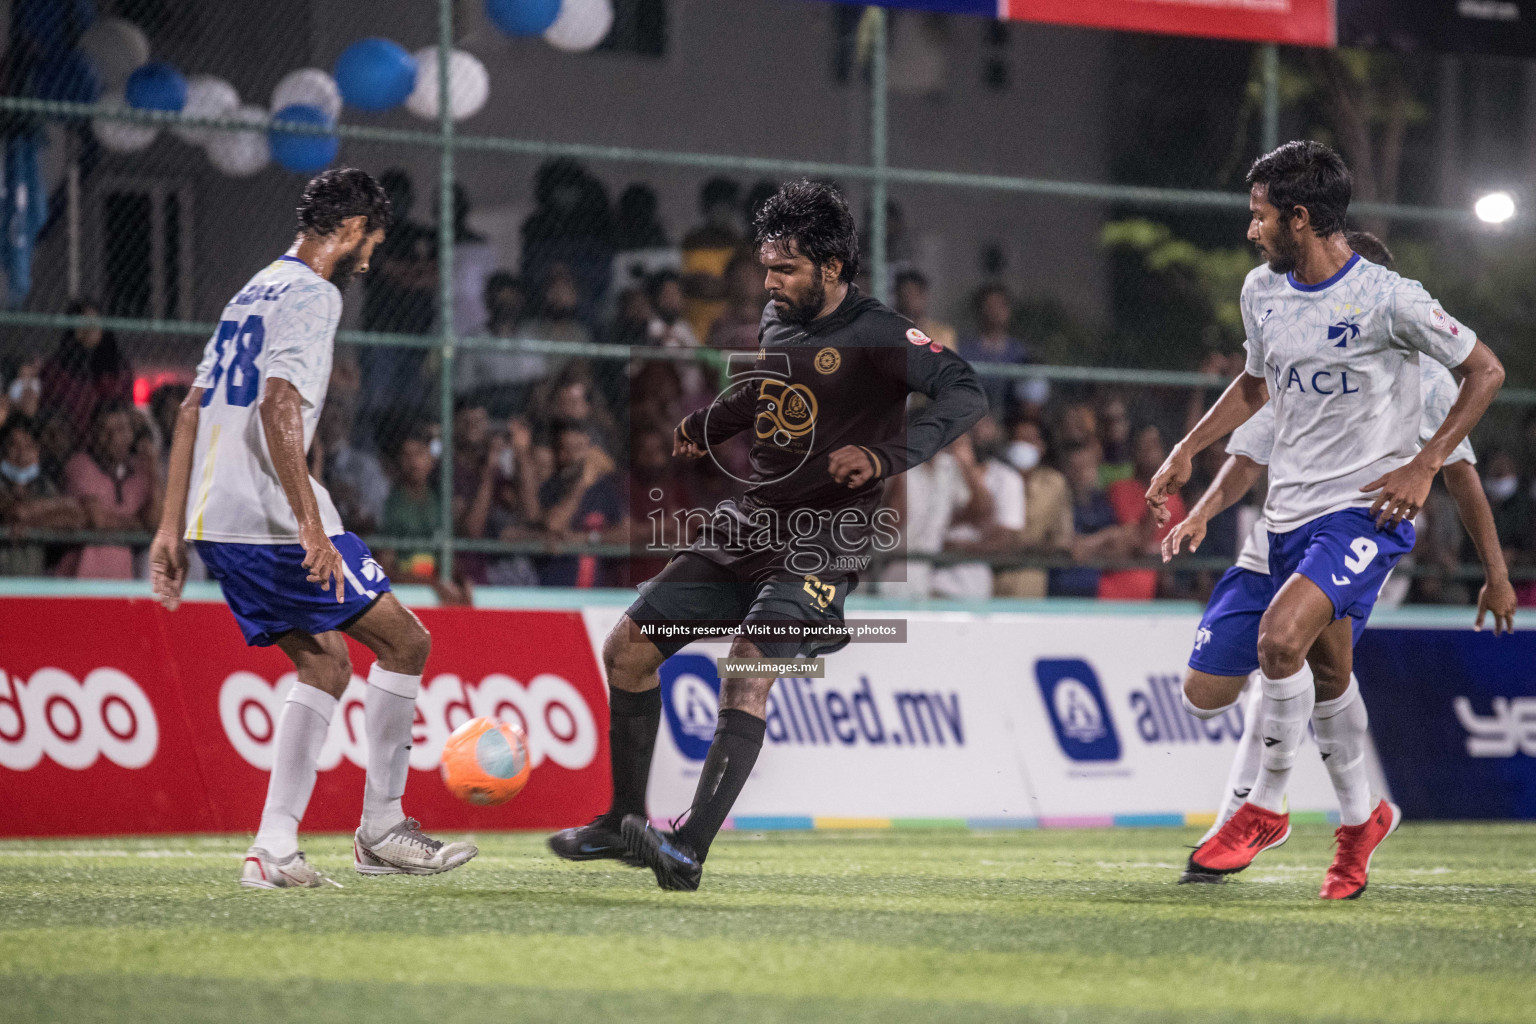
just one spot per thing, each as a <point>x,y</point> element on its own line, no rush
<point>1284,711</point>
<point>301,729</point>
<point>389,710</point>
<point>1245,762</point>
<point>1340,725</point>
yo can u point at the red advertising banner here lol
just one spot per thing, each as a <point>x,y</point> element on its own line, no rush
<point>117,717</point>
<point>1297,22</point>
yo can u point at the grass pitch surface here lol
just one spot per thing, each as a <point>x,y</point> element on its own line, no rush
<point>861,926</point>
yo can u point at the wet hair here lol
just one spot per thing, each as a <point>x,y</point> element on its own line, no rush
<point>1370,247</point>
<point>339,193</point>
<point>814,216</point>
<point>1306,174</point>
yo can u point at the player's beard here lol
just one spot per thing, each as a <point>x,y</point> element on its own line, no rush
<point>802,313</point>
<point>345,267</point>
<point>1283,255</point>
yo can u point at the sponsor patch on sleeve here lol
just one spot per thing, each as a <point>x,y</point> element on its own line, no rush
<point>917,337</point>
<point>1444,322</point>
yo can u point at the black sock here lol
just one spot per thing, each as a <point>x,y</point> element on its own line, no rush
<point>738,739</point>
<point>632,722</point>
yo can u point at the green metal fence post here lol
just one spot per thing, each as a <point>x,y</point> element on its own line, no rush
<point>879,270</point>
<point>445,285</point>
<point>1269,58</point>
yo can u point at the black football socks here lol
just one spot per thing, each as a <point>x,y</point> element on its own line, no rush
<point>738,740</point>
<point>632,722</point>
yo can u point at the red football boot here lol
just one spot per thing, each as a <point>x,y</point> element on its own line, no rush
<point>1356,846</point>
<point>1248,833</point>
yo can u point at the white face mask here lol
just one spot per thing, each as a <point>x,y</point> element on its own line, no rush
<point>1023,456</point>
<point>1501,489</point>
<point>19,476</point>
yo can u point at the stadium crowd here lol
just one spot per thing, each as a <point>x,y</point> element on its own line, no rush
<point>557,452</point>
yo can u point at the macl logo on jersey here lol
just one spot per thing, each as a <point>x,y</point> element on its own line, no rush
<point>1323,382</point>
<point>553,714</point>
<point>810,712</point>
<point>1075,701</point>
<point>73,723</point>
<point>1508,730</point>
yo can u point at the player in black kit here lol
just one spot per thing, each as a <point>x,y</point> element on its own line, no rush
<point>825,396</point>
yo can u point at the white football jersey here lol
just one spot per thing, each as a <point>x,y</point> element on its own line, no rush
<point>281,324</point>
<point>1342,360</point>
<point>1256,440</point>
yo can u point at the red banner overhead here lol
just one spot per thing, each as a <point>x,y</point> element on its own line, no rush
<point>1297,22</point>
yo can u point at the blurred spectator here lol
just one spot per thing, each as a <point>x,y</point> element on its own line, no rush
<point>117,482</point>
<point>912,303</point>
<point>354,477</point>
<point>1437,549</point>
<point>400,297</point>
<point>1114,424</point>
<point>29,499</point>
<point>57,439</point>
<point>745,298</point>
<point>503,504</point>
<point>557,314</point>
<point>1077,425</point>
<point>656,400</point>
<point>668,328</point>
<point>931,497</point>
<point>708,250</point>
<point>571,398</point>
<point>660,496</point>
<point>1048,511</point>
<point>638,225</point>
<point>85,372</point>
<point>413,508</point>
<point>1097,531</point>
<point>474,260</point>
<point>993,343</point>
<point>1514,510</point>
<point>164,406</point>
<point>1128,497</point>
<point>582,503</point>
<point>23,395</point>
<point>1000,532</point>
<point>502,381</point>
<point>572,226</point>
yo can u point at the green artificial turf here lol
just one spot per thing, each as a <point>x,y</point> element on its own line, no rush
<point>859,926</point>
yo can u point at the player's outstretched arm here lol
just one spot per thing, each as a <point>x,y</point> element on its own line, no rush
<point>283,424</point>
<point>168,551</point>
<point>1404,489</point>
<point>1237,477</point>
<point>1497,595</point>
<point>1244,396</point>
<point>724,418</point>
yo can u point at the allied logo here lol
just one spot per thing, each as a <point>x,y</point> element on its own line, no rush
<point>828,360</point>
<point>690,699</point>
<point>1202,637</point>
<point>917,337</point>
<point>1079,715</point>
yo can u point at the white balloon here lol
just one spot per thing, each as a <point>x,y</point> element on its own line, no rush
<point>240,154</point>
<point>582,24</point>
<point>309,86</point>
<point>207,96</point>
<point>122,136</point>
<point>469,85</point>
<point>116,47</point>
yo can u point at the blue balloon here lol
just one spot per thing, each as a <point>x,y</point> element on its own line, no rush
<point>301,151</point>
<point>68,76</point>
<point>375,74</point>
<point>522,17</point>
<point>157,86</point>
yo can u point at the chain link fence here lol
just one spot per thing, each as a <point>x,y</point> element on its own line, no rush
<point>547,307</point>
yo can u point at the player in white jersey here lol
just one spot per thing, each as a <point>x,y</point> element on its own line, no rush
<point>1225,656</point>
<point>239,488</point>
<point>1335,342</point>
